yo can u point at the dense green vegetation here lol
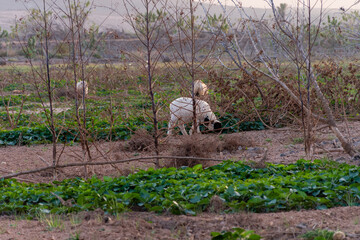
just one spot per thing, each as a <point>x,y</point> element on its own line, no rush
<point>304,185</point>
<point>31,127</point>
<point>98,128</point>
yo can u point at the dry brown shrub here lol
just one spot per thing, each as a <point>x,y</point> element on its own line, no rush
<point>216,205</point>
<point>47,173</point>
<point>340,83</point>
<point>196,145</point>
<point>232,142</point>
<point>126,171</point>
<point>239,94</point>
<point>64,92</point>
<point>141,140</point>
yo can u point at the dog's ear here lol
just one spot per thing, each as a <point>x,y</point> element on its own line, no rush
<point>206,119</point>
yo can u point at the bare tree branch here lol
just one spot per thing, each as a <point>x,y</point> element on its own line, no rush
<point>105,163</point>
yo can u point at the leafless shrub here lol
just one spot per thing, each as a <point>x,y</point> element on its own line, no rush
<point>216,205</point>
<point>47,173</point>
<point>65,92</point>
<point>141,140</point>
<point>232,142</point>
<point>193,146</point>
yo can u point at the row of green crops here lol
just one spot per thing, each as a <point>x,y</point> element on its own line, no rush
<point>99,129</point>
<point>42,134</point>
<point>304,185</point>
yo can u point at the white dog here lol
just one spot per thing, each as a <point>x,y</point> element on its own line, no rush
<point>181,111</point>
<point>200,89</point>
<point>79,88</point>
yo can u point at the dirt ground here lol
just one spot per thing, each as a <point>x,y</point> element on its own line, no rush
<point>275,145</point>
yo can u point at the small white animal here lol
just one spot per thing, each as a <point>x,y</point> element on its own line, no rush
<point>181,111</point>
<point>200,89</point>
<point>79,88</point>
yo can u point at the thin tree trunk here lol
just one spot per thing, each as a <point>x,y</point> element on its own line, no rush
<point>348,148</point>
<point>150,83</point>
<point>308,132</point>
<point>74,63</point>
<point>49,90</point>
<point>192,70</point>
<point>86,148</point>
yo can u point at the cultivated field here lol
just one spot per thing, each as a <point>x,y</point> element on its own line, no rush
<point>85,149</point>
<point>112,117</point>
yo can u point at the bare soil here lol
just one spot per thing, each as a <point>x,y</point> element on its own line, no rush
<point>277,146</point>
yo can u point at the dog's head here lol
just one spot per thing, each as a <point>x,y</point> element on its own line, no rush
<point>212,124</point>
<point>217,125</point>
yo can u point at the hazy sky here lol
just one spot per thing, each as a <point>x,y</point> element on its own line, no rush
<point>11,9</point>
<point>17,4</point>
<point>327,3</point>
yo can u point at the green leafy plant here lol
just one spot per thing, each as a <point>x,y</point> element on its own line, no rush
<point>298,140</point>
<point>318,234</point>
<point>52,221</point>
<point>75,220</point>
<point>235,234</point>
<point>74,237</point>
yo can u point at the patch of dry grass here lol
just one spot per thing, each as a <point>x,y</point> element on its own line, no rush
<point>141,140</point>
<point>196,145</point>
